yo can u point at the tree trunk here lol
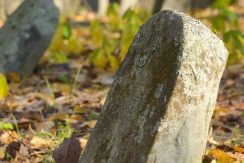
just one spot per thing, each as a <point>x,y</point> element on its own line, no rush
<point>160,105</point>
<point>26,35</point>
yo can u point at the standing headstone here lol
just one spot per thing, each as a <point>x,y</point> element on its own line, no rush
<point>26,35</point>
<point>159,107</point>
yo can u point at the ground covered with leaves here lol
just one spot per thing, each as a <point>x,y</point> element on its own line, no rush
<point>63,100</point>
<point>64,96</point>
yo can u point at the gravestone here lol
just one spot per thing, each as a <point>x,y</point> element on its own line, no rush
<point>159,107</point>
<point>26,35</point>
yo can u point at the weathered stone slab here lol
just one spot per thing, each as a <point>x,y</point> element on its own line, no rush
<point>26,35</point>
<point>160,105</point>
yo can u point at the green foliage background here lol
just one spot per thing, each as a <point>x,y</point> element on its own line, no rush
<point>225,23</point>
<point>109,40</point>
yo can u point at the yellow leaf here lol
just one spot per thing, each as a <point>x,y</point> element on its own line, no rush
<point>238,149</point>
<point>221,156</point>
<point>91,123</point>
<point>98,57</point>
<point>64,88</point>
<point>3,87</point>
<point>14,77</point>
<point>79,110</point>
<point>39,142</point>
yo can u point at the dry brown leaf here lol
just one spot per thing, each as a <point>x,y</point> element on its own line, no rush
<point>76,118</point>
<point>79,109</point>
<point>9,136</point>
<point>23,155</point>
<point>38,142</point>
<point>64,88</point>
<point>44,126</point>
<point>14,77</point>
<point>238,156</point>
<point>23,150</point>
<point>83,142</point>
<point>45,97</point>
<point>91,124</point>
<point>58,116</point>
<point>13,148</point>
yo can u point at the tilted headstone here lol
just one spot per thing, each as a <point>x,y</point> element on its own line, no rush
<point>26,35</point>
<point>159,107</point>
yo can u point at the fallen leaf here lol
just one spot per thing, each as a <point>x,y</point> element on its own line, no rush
<point>238,149</point>
<point>3,87</point>
<point>39,142</point>
<point>91,123</point>
<point>238,156</point>
<point>23,150</point>
<point>58,116</point>
<point>68,152</point>
<point>78,109</point>
<point>2,153</point>
<point>64,88</point>
<point>23,155</point>
<point>14,77</point>
<point>221,156</point>
<point>13,148</point>
<point>48,99</point>
<point>83,142</point>
<point>44,126</point>
<point>76,118</point>
<point>9,136</point>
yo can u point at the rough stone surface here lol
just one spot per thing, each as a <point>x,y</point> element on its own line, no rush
<point>26,35</point>
<point>159,107</point>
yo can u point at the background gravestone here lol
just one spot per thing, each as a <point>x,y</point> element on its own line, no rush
<point>161,102</point>
<point>26,35</point>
